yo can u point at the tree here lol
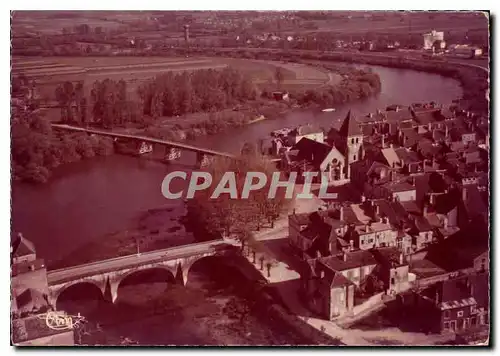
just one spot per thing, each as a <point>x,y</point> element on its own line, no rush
<point>279,76</point>
<point>233,216</point>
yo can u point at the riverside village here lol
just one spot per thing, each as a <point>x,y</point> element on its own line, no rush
<point>403,246</point>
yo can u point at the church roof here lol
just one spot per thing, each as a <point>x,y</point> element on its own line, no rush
<point>350,126</point>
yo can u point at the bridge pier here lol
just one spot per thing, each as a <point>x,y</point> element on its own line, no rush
<point>145,147</point>
<point>203,160</point>
<point>172,153</point>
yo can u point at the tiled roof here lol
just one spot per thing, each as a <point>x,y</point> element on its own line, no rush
<point>312,151</point>
<point>398,116</point>
<point>353,259</point>
<point>22,246</point>
<point>407,156</point>
<point>390,156</point>
<point>388,255</point>
<point>340,280</point>
<point>422,224</point>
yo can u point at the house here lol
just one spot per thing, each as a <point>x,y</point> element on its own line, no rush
<point>280,95</point>
<point>334,280</point>
<point>318,233</point>
<point>305,131</point>
<point>329,292</point>
<point>356,266</point>
<point>422,233</point>
<point>29,291</point>
<point>393,269</point>
<point>456,304</point>
<point>22,250</point>
<point>395,190</point>
<point>28,277</point>
<point>375,229</point>
<point>467,250</point>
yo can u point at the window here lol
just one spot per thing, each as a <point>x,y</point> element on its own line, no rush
<point>446,314</point>
<point>446,325</point>
<point>352,141</point>
<point>354,158</point>
<point>322,274</point>
<point>460,314</point>
<point>357,140</point>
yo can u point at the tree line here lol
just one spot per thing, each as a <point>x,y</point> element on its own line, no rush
<point>207,90</point>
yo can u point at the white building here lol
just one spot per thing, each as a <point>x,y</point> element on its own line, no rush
<point>430,38</point>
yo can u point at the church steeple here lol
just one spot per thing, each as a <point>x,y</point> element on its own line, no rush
<point>350,126</point>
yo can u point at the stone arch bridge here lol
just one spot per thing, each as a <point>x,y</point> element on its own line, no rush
<point>108,274</point>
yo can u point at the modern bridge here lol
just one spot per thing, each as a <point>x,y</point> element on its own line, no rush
<point>108,274</point>
<point>202,154</point>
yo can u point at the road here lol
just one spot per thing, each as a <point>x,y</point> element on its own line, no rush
<point>93,268</point>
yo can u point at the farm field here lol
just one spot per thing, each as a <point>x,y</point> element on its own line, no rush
<point>49,72</point>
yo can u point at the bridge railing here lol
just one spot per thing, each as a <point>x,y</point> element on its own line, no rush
<point>144,254</point>
<point>145,139</point>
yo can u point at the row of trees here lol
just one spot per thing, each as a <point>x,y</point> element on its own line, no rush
<point>109,104</point>
<point>173,94</point>
<point>35,148</point>
<point>238,217</point>
<point>359,85</point>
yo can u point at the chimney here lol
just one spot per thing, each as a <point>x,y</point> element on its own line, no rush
<point>401,258</point>
<point>341,218</point>
<point>351,245</point>
<point>370,115</point>
<point>344,256</point>
<point>367,228</point>
<point>471,288</point>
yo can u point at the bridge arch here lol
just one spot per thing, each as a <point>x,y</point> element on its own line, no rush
<point>219,262</point>
<point>170,277</point>
<point>55,295</point>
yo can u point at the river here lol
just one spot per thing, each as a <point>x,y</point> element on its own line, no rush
<point>88,200</point>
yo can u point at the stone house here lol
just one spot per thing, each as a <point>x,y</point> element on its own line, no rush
<point>457,304</point>
<point>306,131</point>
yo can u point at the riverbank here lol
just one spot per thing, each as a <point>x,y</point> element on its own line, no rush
<point>474,79</point>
